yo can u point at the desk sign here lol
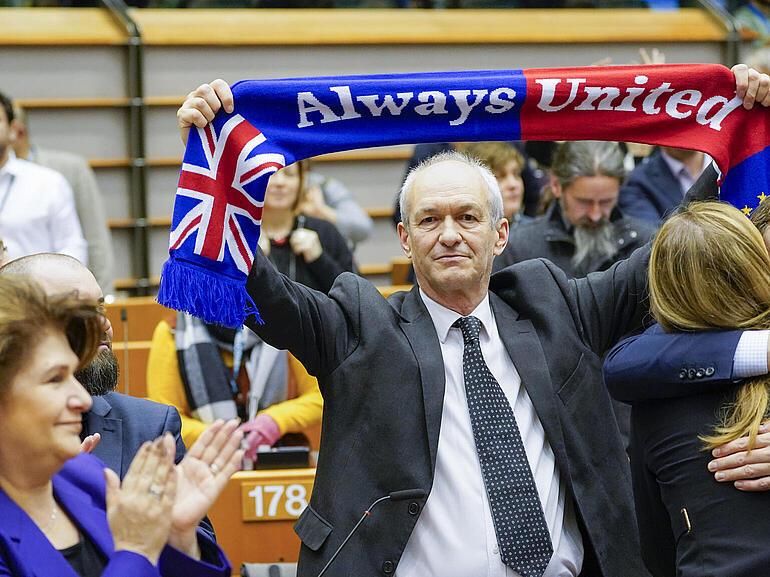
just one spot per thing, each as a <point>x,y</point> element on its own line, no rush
<point>274,499</point>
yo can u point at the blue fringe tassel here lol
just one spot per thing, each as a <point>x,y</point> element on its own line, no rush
<point>215,298</point>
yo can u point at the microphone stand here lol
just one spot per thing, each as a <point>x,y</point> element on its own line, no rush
<point>395,496</point>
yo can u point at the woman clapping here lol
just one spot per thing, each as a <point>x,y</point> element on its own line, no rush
<point>61,512</point>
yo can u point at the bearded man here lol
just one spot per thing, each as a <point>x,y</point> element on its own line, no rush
<point>582,230</point>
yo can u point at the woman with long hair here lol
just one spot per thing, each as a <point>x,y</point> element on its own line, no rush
<point>709,270</point>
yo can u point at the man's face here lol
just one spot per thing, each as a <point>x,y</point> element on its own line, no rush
<point>589,200</point>
<point>766,238</point>
<point>450,239</point>
<point>101,375</point>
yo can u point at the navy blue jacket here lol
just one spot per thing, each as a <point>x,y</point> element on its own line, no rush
<point>652,191</point>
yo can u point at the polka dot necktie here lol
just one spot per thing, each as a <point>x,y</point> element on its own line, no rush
<point>522,533</point>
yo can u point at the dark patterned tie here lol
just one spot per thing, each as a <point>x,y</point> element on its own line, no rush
<point>522,533</point>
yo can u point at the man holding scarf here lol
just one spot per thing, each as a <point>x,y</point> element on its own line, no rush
<point>426,391</point>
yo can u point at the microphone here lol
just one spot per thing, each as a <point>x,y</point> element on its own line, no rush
<point>124,320</point>
<point>393,496</point>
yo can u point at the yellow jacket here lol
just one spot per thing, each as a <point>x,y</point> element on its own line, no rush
<point>164,385</point>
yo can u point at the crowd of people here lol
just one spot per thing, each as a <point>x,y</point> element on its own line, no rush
<point>478,396</point>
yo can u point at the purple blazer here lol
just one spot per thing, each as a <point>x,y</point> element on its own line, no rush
<point>80,488</point>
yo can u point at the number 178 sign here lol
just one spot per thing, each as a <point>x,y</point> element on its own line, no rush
<point>274,499</point>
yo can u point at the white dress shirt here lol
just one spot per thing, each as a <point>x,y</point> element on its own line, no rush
<point>750,358</point>
<point>37,212</point>
<point>455,534</point>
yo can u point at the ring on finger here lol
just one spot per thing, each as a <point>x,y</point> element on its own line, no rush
<point>156,491</point>
<point>214,468</point>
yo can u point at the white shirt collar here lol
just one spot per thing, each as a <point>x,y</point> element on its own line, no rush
<point>11,165</point>
<point>443,318</point>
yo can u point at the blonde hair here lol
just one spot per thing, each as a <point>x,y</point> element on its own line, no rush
<point>26,312</point>
<point>710,270</point>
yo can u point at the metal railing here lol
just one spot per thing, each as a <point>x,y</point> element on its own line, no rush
<point>136,145</point>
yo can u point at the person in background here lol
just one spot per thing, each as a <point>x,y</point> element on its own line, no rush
<point>88,197</point>
<point>190,367</point>
<point>582,231</point>
<point>307,249</point>
<point>37,209</point>
<point>61,511</point>
<point>657,185</point>
<point>506,163</point>
<point>754,16</point>
<point>329,199</point>
<point>709,271</point>
<point>207,371</point>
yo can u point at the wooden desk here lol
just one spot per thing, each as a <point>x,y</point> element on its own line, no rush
<point>142,316</point>
<point>264,540</point>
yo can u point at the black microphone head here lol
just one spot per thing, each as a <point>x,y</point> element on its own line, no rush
<point>123,315</point>
<point>407,494</point>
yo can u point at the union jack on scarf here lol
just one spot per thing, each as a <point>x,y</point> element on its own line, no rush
<point>218,204</point>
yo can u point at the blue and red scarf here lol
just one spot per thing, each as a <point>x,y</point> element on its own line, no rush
<point>218,205</point>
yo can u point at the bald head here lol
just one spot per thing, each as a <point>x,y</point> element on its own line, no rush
<point>57,274</point>
<point>61,274</point>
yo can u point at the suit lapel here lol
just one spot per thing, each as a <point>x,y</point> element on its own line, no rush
<point>110,448</point>
<point>421,334</point>
<point>523,346</point>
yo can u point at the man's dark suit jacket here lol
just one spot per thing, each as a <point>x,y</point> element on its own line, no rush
<point>380,370</point>
<point>126,422</point>
<point>652,191</point>
<point>727,532</point>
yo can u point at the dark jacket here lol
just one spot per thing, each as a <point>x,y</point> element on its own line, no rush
<point>124,423</point>
<point>726,535</point>
<point>547,237</point>
<point>336,257</point>
<point>652,192</point>
<point>380,370</point>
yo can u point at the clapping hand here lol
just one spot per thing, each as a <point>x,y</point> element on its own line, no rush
<point>139,510</point>
<point>203,474</point>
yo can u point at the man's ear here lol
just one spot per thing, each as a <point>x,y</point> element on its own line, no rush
<point>503,230</point>
<point>555,187</point>
<point>403,237</point>
<point>18,130</point>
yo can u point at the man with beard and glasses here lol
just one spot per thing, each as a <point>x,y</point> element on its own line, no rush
<point>116,425</point>
<point>582,231</point>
